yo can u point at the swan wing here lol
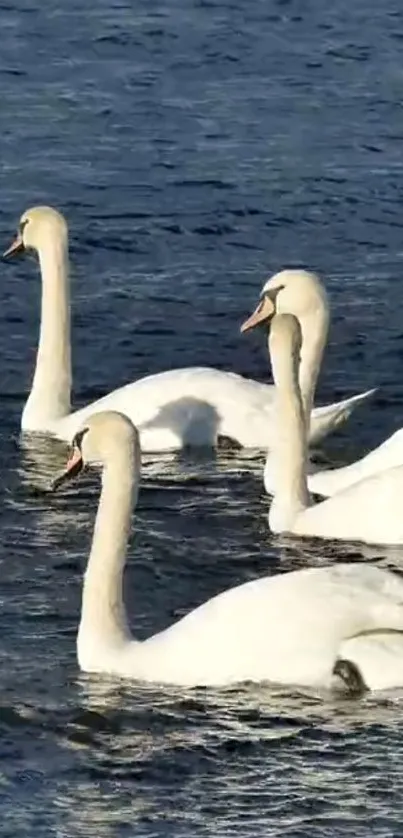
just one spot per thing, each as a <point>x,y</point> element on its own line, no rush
<point>194,406</point>
<point>369,510</point>
<point>387,455</point>
<point>287,628</point>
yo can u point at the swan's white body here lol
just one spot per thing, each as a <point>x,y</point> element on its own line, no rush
<point>370,510</point>
<point>289,628</point>
<point>331,481</point>
<point>387,455</point>
<point>192,406</point>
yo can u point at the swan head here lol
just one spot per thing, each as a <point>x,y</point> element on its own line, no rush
<point>102,437</point>
<point>296,292</point>
<point>37,226</point>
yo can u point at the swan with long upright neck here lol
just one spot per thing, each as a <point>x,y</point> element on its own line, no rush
<point>193,406</point>
<point>369,510</point>
<point>301,628</point>
<point>300,293</point>
<point>51,386</point>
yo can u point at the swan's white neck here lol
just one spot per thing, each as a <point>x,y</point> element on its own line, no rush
<point>314,330</point>
<point>289,451</point>
<point>49,399</point>
<point>103,624</point>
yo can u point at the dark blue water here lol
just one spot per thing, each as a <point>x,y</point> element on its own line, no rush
<point>195,148</point>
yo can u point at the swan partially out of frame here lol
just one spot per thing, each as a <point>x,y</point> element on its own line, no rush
<point>369,511</point>
<point>185,407</point>
<point>387,455</point>
<point>309,627</point>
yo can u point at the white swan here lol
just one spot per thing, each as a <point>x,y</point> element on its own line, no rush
<point>370,510</point>
<point>300,293</point>
<point>294,628</point>
<point>387,455</point>
<point>191,406</point>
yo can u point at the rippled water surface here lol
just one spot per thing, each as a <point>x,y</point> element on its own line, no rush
<point>195,147</point>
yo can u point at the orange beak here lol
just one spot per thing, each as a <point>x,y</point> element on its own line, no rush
<point>263,311</point>
<point>17,246</point>
<point>74,466</point>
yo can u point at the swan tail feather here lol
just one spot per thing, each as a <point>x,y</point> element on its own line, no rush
<point>326,419</point>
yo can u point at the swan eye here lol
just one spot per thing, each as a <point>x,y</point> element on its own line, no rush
<point>23,226</point>
<point>272,293</point>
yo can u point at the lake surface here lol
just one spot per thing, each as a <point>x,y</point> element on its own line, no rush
<point>195,148</point>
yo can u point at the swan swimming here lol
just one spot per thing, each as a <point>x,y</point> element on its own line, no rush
<point>369,511</point>
<point>299,293</point>
<point>387,455</point>
<point>330,481</point>
<point>184,407</point>
<point>300,628</point>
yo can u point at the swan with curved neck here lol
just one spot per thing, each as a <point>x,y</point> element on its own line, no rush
<point>370,510</point>
<point>303,627</point>
<point>193,406</point>
<point>300,293</point>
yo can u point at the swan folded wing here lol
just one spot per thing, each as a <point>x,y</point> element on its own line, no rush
<point>244,634</point>
<point>186,407</point>
<point>287,629</point>
<point>369,510</point>
<point>193,406</point>
<point>327,418</point>
<point>388,455</point>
